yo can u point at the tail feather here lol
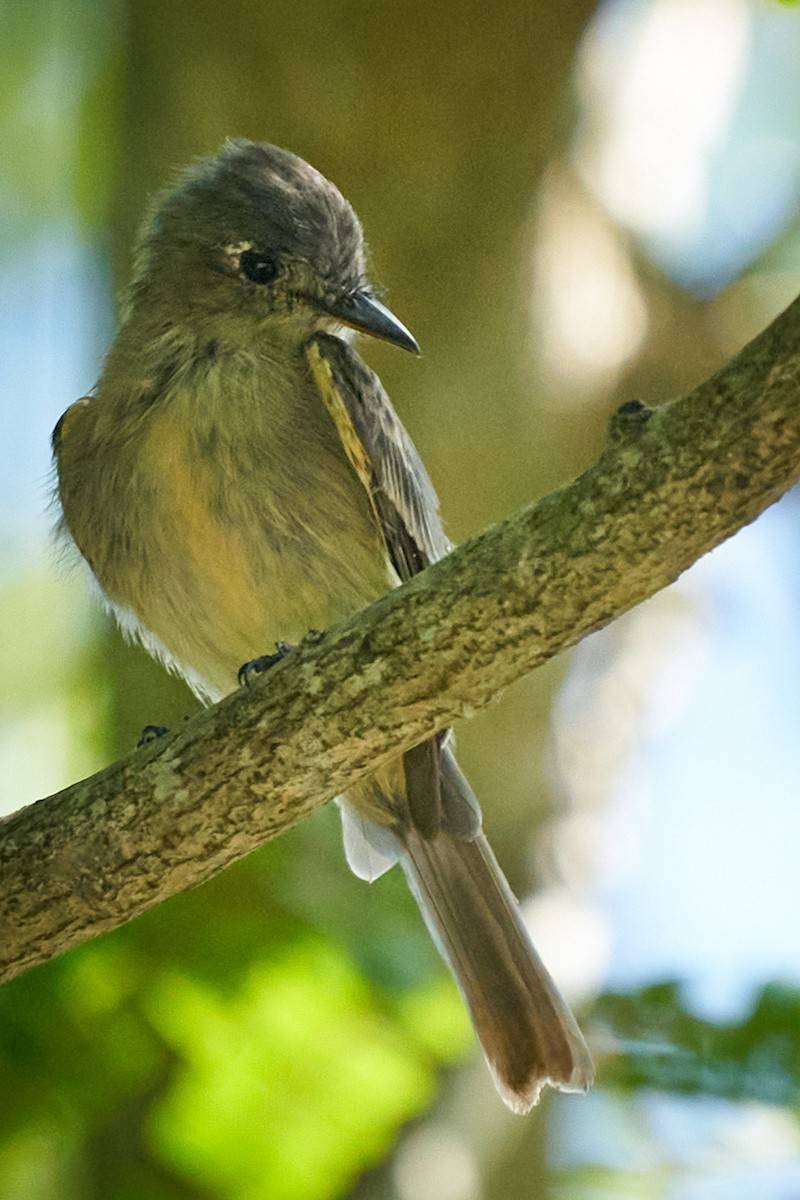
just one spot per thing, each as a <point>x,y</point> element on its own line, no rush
<point>432,824</point>
<point>527,1033</point>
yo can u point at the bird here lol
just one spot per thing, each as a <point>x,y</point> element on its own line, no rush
<point>238,477</point>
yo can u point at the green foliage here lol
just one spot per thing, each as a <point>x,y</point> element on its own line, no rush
<point>288,1088</point>
<point>664,1046</point>
<point>218,1046</point>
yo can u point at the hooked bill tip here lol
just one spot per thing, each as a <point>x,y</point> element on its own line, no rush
<point>363,312</point>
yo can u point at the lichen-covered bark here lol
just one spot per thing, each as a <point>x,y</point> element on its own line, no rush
<point>671,484</point>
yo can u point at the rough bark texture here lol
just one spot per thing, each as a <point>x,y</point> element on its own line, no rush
<point>671,484</point>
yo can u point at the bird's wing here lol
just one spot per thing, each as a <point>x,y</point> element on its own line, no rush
<point>407,512</point>
<point>66,421</point>
<point>382,455</point>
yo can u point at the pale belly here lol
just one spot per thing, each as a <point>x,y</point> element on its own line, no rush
<point>217,575</point>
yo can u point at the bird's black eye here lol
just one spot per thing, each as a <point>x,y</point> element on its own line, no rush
<point>257,267</point>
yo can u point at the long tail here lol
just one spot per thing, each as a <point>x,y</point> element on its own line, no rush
<point>528,1034</point>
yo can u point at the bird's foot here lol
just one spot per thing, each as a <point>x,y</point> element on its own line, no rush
<point>150,733</point>
<point>257,666</point>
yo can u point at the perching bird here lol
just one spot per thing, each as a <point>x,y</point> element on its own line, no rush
<point>238,477</point>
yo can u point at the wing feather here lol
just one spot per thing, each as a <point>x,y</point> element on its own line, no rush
<point>382,454</point>
<point>407,513</point>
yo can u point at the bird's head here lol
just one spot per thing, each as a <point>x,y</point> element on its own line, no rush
<point>253,245</point>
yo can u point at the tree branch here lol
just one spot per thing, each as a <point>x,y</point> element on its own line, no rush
<point>670,484</point>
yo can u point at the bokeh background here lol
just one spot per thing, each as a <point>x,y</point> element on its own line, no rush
<point>571,205</point>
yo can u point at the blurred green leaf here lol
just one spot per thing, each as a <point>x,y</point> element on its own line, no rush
<point>665,1046</point>
<point>289,1089</point>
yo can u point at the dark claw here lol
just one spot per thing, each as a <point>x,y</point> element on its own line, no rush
<point>257,666</point>
<point>150,733</point>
